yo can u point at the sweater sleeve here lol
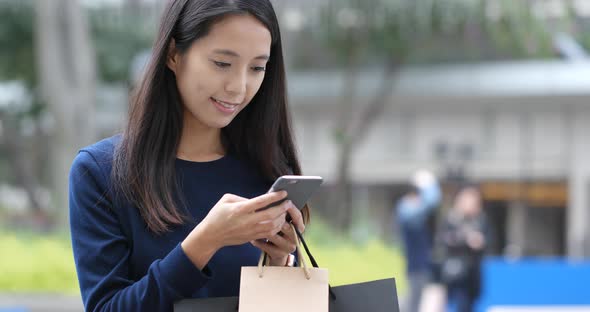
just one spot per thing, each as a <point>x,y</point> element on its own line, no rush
<point>102,252</point>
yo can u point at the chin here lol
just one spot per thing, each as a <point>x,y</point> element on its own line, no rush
<point>220,124</point>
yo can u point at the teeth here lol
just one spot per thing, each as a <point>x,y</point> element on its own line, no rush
<point>229,106</point>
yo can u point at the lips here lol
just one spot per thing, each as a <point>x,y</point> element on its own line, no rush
<point>224,107</point>
<point>225,104</point>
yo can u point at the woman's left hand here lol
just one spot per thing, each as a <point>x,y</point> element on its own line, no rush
<point>475,240</point>
<point>280,246</point>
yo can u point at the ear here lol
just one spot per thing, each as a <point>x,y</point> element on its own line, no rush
<point>173,58</point>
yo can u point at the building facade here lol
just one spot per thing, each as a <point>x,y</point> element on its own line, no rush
<point>519,129</point>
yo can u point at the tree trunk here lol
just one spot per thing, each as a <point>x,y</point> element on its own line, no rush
<point>362,125</point>
<point>20,162</point>
<point>354,130</point>
<point>68,77</point>
<point>340,205</point>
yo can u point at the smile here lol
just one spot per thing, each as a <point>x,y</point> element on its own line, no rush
<point>225,104</point>
<point>224,107</point>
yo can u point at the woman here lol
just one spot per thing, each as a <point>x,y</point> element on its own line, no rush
<point>464,239</point>
<point>169,209</point>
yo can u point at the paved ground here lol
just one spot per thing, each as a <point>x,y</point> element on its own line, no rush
<point>39,303</point>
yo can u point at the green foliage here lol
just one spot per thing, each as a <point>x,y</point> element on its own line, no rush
<point>584,37</point>
<point>518,33</point>
<point>118,41</point>
<point>118,35</point>
<point>350,262</point>
<point>429,31</point>
<point>17,59</point>
<point>33,263</point>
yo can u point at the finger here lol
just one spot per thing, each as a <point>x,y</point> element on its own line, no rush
<point>288,233</point>
<point>273,251</point>
<point>297,218</point>
<point>231,198</point>
<point>283,243</point>
<point>272,213</point>
<point>268,229</point>
<point>263,200</point>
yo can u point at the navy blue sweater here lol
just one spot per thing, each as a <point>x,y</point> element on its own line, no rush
<point>121,265</point>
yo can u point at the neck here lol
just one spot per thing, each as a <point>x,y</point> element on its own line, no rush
<point>199,142</point>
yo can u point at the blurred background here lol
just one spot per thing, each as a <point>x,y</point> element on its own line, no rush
<point>491,92</point>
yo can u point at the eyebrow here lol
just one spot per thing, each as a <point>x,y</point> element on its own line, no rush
<point>234,54</point>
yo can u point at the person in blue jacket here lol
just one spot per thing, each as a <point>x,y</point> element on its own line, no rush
<point>414,209</point>
<point>170,208</point>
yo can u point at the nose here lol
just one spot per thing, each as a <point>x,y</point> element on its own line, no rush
<point>236,84</point>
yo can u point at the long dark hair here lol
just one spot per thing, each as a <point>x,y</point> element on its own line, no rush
<point>144,161</point>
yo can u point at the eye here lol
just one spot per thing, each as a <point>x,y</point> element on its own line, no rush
<point>221,64</point>
<point>259,69</point>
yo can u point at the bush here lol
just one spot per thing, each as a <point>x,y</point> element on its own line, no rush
<point>350,262</point>
<point>35,263</point>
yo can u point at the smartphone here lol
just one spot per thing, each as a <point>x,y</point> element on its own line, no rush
<point>299,189</point>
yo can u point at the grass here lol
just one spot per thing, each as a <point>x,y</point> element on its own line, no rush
<point>350,262</point>
<point>34,263</point>
<point>44,263</point>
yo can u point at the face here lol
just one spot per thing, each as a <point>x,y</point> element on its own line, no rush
<point>468,202</point>
<point>221,72</point>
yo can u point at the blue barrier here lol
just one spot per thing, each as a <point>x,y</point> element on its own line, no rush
<point>12,309</point>
<point>534,282</point>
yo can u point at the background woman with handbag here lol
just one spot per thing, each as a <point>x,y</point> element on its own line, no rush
<point>168,209</point>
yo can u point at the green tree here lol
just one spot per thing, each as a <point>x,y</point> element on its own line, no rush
<point>118,42</point>
<point>17,63</point>
<point>67,82</point>
<point>59,55</point>
<point>400,32</point>
<point>17,58</point>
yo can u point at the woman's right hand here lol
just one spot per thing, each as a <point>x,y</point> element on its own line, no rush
<point>234,220</point>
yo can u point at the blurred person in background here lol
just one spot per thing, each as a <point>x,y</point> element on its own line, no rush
<point>169,209</point>
<point>414,211</point>
<point>463,238</point>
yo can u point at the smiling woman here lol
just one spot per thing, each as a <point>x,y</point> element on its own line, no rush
<point>234,73</point>
<point>167,209</point>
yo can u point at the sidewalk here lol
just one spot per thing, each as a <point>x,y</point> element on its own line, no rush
<point>39,303</point>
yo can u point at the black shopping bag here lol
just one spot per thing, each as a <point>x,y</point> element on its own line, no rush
<point>373,296</point>
<point>221,304</point>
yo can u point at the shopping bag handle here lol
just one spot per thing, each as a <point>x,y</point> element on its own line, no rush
<point>264,259</point>
<point>311,258</point>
